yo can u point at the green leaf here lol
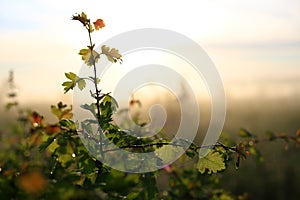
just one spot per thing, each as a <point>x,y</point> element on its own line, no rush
<point>87,127</point>
<point>88,58</point>
<point>71,76</point>
<point>53,146</point>
<point>61,111</point>
<point>132,195</point>
<point>212,163</point>
<point>91,108</point>
<point>167,153</point>
<point>81,84</point>
<point>149,180</point>
<point>68,125</point>
<point>270,135</point>
<point>45,144</point>
<point>114,103</point>
<point>112,55</point>
<point>244,133</point>
<point>55,111</point>
<point>68,85</point>
<point>10,105</point>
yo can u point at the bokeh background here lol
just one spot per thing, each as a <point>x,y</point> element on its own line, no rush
<point>255,45</point>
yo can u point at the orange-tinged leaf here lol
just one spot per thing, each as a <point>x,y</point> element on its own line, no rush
<point>298,133</point>
<point>32,182</point>
<point>36,119</point>
<point>67,114</point>
<point>282,135</point>
<point>99,24</point>
<point>247,153</point>
<point>24,167</point>
<point>8,172</point>
<point>52,129</point>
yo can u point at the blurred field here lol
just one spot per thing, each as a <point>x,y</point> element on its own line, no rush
<point>278,177</point>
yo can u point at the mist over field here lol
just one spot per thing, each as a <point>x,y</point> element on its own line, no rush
<point>274,110</point>
<point>256,112</point>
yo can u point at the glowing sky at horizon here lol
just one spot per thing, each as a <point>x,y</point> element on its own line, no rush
<point>254,44</point>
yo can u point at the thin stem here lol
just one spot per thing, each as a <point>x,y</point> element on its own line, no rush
<point>97,90</point>
<point>196,148</point>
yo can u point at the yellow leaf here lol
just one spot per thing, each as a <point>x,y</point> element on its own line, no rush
<point>91,28</point>
<point>212,163</point>
<point>88,58</point>
<point>112,55</point>
<point>83,15</point>
<point>168,153</point>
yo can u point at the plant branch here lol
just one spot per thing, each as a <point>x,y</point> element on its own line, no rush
<point>97,90</point>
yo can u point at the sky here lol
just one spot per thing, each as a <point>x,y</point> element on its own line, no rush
<point>255,44</point>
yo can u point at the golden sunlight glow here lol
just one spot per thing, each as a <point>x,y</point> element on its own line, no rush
<point>248,42</point>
